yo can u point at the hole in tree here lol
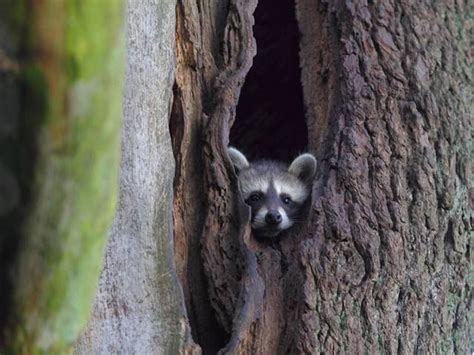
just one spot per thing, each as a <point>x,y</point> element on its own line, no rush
<point>270,121</point>
<point>269,124</point>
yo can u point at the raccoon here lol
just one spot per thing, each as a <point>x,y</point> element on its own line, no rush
<point>275,192</point>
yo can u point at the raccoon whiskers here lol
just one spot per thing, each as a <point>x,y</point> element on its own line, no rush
<point>275,192</point>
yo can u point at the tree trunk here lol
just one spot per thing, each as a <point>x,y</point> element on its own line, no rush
<point>381,265</point>
<point>139,306</point>
<point>378,92</point>
<point>60,93</point>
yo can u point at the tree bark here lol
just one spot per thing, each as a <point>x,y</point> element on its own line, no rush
<point>58,165</point>
<point>381,265</point>
<point>394,201</point>
<point>139,306</point>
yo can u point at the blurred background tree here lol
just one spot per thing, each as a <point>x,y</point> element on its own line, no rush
<point>61,69</point>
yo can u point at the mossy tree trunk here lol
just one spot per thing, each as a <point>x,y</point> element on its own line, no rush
<point>61,91</point>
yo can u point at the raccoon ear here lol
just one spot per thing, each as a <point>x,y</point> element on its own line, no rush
<point>304,167</point>
<point>238,159</point>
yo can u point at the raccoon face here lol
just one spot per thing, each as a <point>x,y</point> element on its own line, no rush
<point>275,192</point>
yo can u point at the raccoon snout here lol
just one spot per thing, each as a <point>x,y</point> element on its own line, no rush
<point>273,218</point>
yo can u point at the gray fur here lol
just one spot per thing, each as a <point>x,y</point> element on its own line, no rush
<point>238,159</point>
<point>304,167</point>
<point>273,182</point>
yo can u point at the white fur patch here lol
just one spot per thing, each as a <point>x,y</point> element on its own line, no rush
<point>238,159</point>
<point>303,166</point>
<point>285,221</point>
<point>259,220</point>
<point>297,192</point>
<point>260,184</point>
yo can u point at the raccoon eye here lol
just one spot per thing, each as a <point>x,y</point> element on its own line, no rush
<point>286,199</point>
<point>255,197</point>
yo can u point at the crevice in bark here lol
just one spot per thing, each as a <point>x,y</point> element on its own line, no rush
<point>214,50</point>
<point>205,329</point>
<point>270,118</point>
<point>224,273</point>
<point>232,281</point>
<point>349,277</point>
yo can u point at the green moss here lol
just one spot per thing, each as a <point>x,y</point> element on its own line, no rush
<point>76,177</point>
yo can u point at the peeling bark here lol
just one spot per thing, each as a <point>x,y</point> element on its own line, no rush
<point>381,264</point>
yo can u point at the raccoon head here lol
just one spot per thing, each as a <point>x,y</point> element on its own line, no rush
<point>275,192</point>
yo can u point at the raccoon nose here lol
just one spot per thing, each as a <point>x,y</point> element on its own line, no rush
<point>273,218</point>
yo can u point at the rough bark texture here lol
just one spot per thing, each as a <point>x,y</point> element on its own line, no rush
<point>381,265</point>
<point>139,306</point>
<point>61,91</point>
<point>392,201</point>
<point>214,52</point>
